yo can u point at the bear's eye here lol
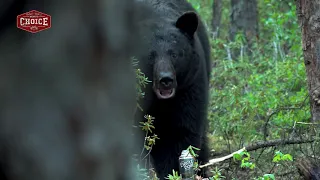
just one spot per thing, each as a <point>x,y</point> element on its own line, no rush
<point>173,36</point>
<point>172,54</point>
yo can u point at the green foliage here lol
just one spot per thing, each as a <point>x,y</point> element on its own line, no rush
<point>146,126</point>
<point>150,140</point>
<point>258,97</point>
<point>278,157</point>
<point>194,155</point>
<point>244,157</point>
<point>266,177</point>
<point>142,81</point>
<point>251,98</point>
<point>281,157</point>
<point>245,92</point>
<point>191,151</point>
<point>217,175</point>
<point>204,9</point>
<point>174,176</point>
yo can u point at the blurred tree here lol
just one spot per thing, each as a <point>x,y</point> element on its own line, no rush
<point>244,17</point>
<point>308,169</point>
<point>67,94</point>
<point>216,17</point>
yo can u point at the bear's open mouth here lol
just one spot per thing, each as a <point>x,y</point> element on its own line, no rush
<point>165,93</point>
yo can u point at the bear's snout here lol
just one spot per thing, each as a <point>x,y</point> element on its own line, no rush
<point>164,83</point>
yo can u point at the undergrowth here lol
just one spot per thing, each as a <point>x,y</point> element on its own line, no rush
<point>256,98</point>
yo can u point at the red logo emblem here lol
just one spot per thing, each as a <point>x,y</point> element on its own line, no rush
<point>34,21</point>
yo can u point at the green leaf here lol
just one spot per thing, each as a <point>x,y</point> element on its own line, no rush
<point>237,156</point>
<point>269,176</point>
<point>287,157</point>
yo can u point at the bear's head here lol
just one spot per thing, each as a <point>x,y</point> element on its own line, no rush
<point>172,58</point>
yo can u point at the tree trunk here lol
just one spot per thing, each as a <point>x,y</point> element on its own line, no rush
<point>244,17</point>
<point>216,17</point>
<point>67,94</point>
<point>308,169</point>
<point>308,13</point>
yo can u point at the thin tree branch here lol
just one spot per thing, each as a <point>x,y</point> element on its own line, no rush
<point>260,145</point>
<point>272,143</point>
<point>299,106</point>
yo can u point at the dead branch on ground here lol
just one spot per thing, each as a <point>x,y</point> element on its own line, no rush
<point>260,145</point>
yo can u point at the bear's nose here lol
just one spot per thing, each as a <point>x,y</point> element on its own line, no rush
<point>166,82</point>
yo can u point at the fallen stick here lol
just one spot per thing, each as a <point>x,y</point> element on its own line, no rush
<point>213,161</point>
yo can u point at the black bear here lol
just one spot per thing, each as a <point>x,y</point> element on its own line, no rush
<point>177,61</point>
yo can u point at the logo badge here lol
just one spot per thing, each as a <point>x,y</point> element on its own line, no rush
<point>33,21</point>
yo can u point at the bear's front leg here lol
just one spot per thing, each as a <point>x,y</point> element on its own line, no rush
<point>166,156</point>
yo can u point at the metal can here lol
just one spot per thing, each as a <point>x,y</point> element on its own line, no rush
<point>186,161</point>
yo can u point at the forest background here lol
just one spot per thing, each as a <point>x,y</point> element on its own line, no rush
<point>259,97</point>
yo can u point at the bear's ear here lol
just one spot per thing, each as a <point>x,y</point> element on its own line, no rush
<point>188,23</point>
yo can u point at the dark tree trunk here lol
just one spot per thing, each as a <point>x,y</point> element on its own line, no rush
<point>67,94</point>
<point>307,169</point>
<point>216,17</point>
<point>308,13</point>
<point>244,18</point>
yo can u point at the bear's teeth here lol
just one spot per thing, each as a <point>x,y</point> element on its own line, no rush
<point>166,92</point>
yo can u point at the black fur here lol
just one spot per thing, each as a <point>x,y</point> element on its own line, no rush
<point>181,120</point>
